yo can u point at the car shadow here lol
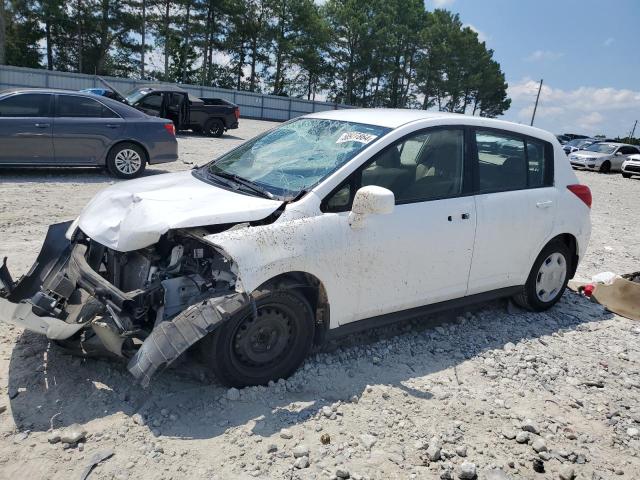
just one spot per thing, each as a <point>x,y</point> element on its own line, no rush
<point>189,134</point>
<point>65,174</point>
<point>51,388</point>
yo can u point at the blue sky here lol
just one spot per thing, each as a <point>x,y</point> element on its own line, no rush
<point>587,51</point>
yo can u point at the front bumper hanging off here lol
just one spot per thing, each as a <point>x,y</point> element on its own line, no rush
<point>62,294</point>
<point>55,297</point>
<point>15,299</point>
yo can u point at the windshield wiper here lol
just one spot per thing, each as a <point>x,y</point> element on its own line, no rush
<point>244,182</point>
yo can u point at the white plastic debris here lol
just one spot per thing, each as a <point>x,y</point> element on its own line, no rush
<point>606,278</point>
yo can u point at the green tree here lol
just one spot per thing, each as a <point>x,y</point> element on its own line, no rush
<point>22,33</point>
<point>456,72</point>
<point>3,34</point>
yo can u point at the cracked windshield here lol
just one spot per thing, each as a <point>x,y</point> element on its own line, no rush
<point>296,156</point>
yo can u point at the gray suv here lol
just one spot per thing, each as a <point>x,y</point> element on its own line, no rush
<point>42,127</point>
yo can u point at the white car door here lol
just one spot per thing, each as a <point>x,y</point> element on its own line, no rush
<point>516,208</point>
<point>421,252</point>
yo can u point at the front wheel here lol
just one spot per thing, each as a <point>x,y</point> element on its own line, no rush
<point>605,167</point>
<point>548,278</point>
<point>126,160</point>
<point>268,343</point>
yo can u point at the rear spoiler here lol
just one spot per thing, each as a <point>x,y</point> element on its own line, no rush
<point>121,97</point>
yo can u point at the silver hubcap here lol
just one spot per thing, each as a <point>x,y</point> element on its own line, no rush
<point>551,277</point>
<point>128,161</point>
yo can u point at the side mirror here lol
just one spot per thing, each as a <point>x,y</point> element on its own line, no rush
<point>618,154</point>
<point>370,200</point>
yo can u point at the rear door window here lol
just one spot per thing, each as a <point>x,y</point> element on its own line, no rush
<point>512,162</point>
<point>501,162</point>
<point>26,105</point>
<point>537,163</point>
<point>73,107</point>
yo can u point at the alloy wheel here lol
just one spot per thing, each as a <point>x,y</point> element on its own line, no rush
<point>128,161</point>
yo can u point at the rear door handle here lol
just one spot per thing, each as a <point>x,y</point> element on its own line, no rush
<point>112,125</point>
<point>466,216</point>
<point>42,125</point>
<point>546,204</point>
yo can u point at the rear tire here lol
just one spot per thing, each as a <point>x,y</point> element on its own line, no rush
<point>605,167</point>
<point>126,160</point>
<point>214,128</point>
<point>626,175</point>
<point>252,350</point>
<point>548,278</point>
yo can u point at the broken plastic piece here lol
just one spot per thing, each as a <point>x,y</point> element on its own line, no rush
<point>171,339</point>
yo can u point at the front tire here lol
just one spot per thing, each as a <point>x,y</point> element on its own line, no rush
<point>126,160</point>
<point>548,278</point>
<point>605,167</point>
<point>254,349</point>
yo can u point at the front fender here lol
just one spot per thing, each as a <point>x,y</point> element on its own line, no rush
<point>301,245</point>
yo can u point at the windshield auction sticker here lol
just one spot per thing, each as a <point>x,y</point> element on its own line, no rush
<point>359,137</point>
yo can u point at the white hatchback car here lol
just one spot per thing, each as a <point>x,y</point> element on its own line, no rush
<point>330,223</point>
<point>631,166</point>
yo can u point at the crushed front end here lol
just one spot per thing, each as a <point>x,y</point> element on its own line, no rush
<point>148,305</point>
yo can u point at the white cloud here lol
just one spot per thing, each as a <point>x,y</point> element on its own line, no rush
<point>609,41</point>
<point>591,110</point>
<point>483,37</point>
<point>442,3</point>
<point>543,55</point>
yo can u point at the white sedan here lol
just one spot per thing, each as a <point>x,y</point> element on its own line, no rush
<point>330,223</point>
<point>631,166</point>
<point>603,157</point>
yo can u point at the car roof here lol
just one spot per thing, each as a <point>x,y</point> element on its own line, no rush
<point>122,109</point>
<point>617,144</point>
<point>396,117</point>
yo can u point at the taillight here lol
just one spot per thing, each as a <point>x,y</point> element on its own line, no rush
<point>237,112</point>
<point>171,128</point>
<point>582,192</point>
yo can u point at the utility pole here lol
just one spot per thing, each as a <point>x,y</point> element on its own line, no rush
<point>143,39</point>
<point>536,105</point>
<point>633,130</point>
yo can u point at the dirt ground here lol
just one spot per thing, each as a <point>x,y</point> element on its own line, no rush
<point>492,392</point>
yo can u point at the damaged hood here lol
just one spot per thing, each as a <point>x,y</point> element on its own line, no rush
<point>135,214</point>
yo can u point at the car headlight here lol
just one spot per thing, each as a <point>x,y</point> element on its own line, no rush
<point>72,229</point>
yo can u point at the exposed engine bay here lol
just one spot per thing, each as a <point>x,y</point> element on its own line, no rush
<point>82,293</point>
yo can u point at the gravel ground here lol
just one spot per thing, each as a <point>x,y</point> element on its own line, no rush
<point>490,393</point>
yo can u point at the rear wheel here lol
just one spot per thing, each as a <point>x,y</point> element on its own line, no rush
<point>605,167</point>
<point>548,278</point>
<point>214,128</point>
<point>270,343</point>
<point>126,160</point>
<point>626,175</point>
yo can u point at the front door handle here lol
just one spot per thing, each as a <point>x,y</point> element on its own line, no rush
<point>112,125</point>
<point>466,216</point>
<point>42,125</point>
<point>546,204</point>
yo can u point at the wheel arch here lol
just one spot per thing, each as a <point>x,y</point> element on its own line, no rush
<point>314,291</point>
<point>571,243</point>
<point>137,143</point>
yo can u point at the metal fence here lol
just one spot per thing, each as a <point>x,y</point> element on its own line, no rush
<point>252,105</point>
